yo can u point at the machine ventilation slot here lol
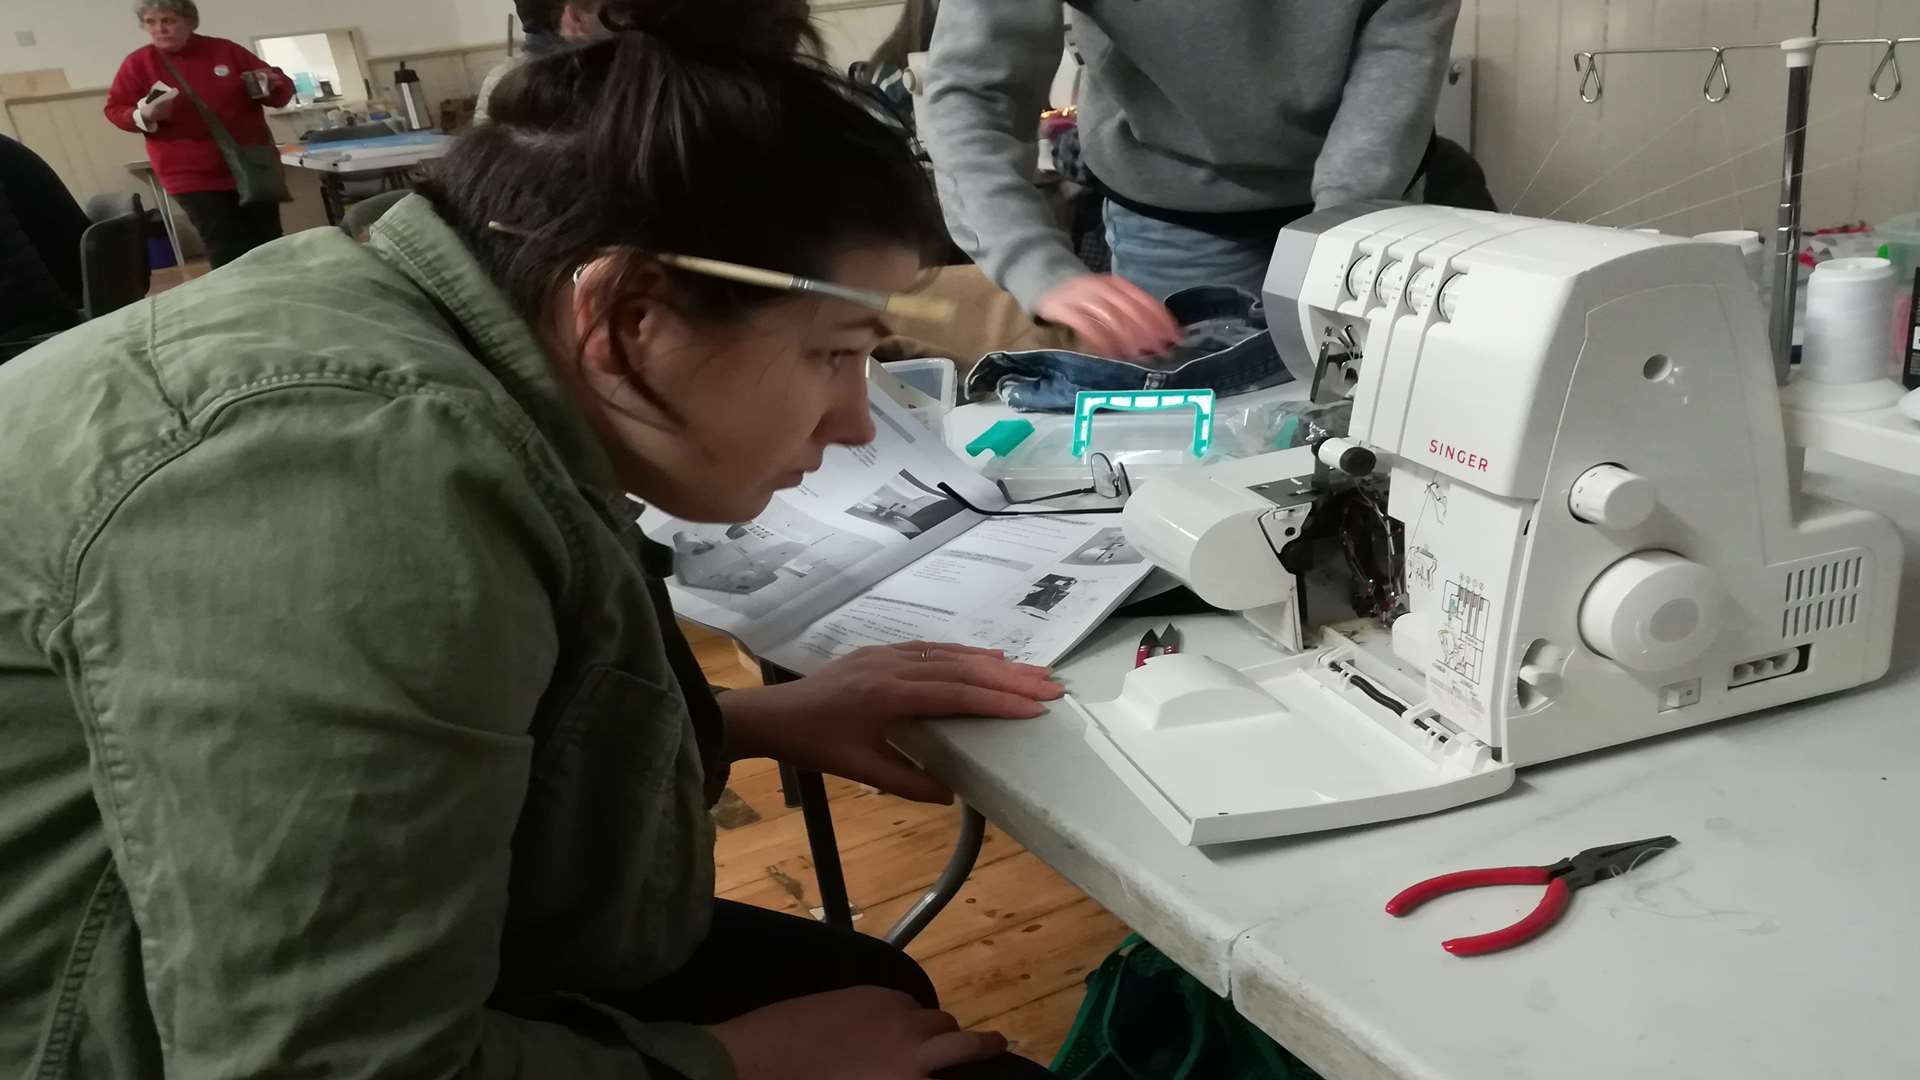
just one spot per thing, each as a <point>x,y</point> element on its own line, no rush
<point>1823,596</point>
<point>1761,668</point>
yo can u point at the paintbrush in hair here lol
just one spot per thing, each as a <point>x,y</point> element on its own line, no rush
<point>928,308</point>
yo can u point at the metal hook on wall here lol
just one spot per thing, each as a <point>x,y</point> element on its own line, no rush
<point>1589,69</point>
<point>1889,62</point>
<point>1718,67</point>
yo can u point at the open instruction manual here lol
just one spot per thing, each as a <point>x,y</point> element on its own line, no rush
<point>870,551</point>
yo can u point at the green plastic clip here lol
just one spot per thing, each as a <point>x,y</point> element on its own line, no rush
<point>1001,438</point>
<point>1289,428</point>
<point>1088,402</point>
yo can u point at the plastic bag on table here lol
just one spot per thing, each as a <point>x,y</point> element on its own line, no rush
<point>1300,423</point>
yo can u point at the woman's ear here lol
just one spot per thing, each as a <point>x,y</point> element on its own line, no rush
<point>616,318</point>
<point>578,25</point>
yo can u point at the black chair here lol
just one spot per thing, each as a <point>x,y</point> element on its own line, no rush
<point>114,271</point>
<point>114,268</point>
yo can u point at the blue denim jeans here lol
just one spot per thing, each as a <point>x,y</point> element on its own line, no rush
<point>1225,348</point>
<point>1163,258</point>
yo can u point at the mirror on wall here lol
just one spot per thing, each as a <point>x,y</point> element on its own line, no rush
<point>327,66</point>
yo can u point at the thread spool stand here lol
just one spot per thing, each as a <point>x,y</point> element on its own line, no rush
<point>1852,420</point>
<point>1798,53</point>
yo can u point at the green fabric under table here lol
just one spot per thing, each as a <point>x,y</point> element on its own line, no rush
<point>1144,1018</point>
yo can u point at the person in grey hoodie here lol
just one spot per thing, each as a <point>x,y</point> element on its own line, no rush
<point>1209,126</point>
<point>550,25</point>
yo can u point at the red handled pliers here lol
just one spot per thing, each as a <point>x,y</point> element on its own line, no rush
<point>1561,878</point>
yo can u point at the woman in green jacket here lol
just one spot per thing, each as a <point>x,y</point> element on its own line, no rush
<point>347,730</point>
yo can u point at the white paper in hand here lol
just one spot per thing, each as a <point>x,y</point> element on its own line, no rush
<point>155,106</point>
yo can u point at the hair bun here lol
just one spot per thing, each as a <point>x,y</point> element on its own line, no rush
<point>759,28</point>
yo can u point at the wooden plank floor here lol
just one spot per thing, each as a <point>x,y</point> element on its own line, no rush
<point>174,275</point>
<point>1011,953</point>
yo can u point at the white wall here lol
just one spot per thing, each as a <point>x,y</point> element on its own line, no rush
<point>89,38</point>
<point>309,53</point>
<point>852,29</point>
<point>1651,129</point>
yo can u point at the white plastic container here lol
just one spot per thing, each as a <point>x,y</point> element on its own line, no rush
<point>1042,462</point>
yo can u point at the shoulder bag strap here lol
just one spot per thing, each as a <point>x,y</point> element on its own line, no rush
<point>220,133</point>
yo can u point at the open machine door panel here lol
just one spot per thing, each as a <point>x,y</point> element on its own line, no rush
<point>1317,740</point>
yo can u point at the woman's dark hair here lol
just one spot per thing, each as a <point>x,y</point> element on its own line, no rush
<point>693,128</point>
<point>911,34</point>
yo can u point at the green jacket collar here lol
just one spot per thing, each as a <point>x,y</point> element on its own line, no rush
<point>419,244</point>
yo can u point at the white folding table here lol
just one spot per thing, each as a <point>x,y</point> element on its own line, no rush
<point>1779,940</point>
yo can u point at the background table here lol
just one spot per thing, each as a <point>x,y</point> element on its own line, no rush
<point>387,156</point>
<point>1778,940</point>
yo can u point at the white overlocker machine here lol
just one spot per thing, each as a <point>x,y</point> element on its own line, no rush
<point>1564,516</point>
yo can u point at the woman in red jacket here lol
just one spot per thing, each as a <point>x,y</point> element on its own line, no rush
<point>235,84</point>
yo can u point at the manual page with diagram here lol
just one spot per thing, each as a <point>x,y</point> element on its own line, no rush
<point>869,550</point>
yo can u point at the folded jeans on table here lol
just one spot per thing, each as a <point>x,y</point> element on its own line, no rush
<point>1224,348</point>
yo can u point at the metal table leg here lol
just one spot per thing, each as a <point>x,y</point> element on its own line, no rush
<point>810,790</point>
<point>333,199</point>
<point>789,785</point>
<point>789,776</point>
<point>966,851</point>
<point>835,910</point>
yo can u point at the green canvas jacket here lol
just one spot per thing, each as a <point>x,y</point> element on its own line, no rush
<point>342,736</point>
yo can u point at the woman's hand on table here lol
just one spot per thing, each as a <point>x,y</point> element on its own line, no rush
<point>1111,315</point>
<point>839,719</point>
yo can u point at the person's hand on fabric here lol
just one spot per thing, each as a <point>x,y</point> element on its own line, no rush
<point>865,1033</point>
<point>839,719</point>
<point>1112,316</point>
